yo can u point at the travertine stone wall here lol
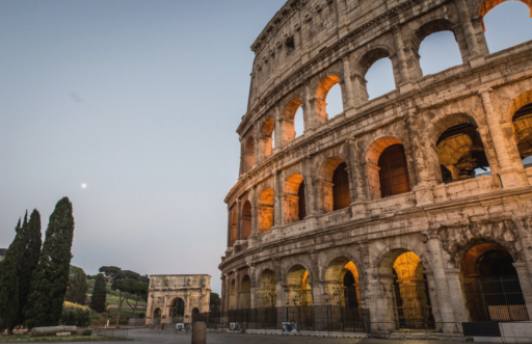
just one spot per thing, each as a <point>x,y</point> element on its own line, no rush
<point>311,44</point>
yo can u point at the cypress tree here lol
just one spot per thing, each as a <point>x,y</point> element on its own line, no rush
<point>9,283</point>
<point>31,237</point>
<point>50,279</point>
<point>77,286</point>
<point>99,294</point>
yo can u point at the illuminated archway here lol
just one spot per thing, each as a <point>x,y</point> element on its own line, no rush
<point>387,168</point>
<point>299,286</point>
<point>335,185</point>
<point>343,285</point>
<point>267,140</point>
<point>411,293</point>
<point>491,284</point>
<point>232,295</point>
<point>266,209</point>
<point>266,293</point>
<point>248,154</point>
<point>329,97</point>
<point>294,198</point>
<point>460,150</point>
<point>245,221</point>
<point>522,121</point>
<point>293,124</point>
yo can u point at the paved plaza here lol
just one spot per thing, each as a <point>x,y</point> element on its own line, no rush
<point>148,336</point>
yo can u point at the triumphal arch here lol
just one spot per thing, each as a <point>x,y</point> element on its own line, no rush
<point>411,209</point>
<point>177,298</point>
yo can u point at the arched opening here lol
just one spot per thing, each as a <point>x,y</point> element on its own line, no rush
<point>491,284</point>
<point>266,209</point>
<point>245,293</point>
<point>461,152</point>
<point>438,48</point>
<point>378,73</point>
<point>379,78</point>
<point>157,316</point>
<point>410,292</point>
<point>335,185</point>
<point>233,226</point>
<point>294,198</point>
<point>343,287</point>
<point>387,169</point>
<point>341,196</point>
<point>196,315</point>
<point>267,137</point>
<point>329,102</point>
<point>232,295</point>
<point>393,171</point>
<point>177,310</point>
<point>248,159</point>
<point>522,121</point>
<point>299,287</point>
<point>266,299</point>
<point>293,124</point>
<point>245,221</point>
<point>506,23</point>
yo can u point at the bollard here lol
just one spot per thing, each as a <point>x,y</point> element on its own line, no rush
<point>199,332</point>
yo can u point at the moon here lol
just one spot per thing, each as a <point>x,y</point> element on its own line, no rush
<point>84,186</point>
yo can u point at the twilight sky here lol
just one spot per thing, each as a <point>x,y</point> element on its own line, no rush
<point>140,100</point>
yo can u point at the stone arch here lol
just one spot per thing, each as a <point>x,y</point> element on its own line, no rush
<point>403,274</point>
<point>342,280</point>
<point>299,286</point>
<point>387,168</point>
<point>435,26</point>
<point>491,283</point>
<point>459,148</point>
<point>245,220</point>
<point>488,5</point>
<point>366,62</point>
<point>266,204</point>
<point>325,86</point>
<point>335,191</point>
<point>157,316</point>
<point>267,139</point>
<point>233,225</point>
<point>233,294</point>
<point>248,153</point>
<point>177,310</point>
<point>294,198</point>
<point>521,110</point>
<point>293,121</point>
<point>244,295</point>
<point>266,291</point>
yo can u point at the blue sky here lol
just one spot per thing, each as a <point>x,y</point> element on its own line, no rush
<point>140,100</point>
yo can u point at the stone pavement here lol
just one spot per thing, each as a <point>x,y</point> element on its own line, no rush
<point>148,336</point>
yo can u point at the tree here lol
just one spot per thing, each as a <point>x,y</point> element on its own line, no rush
<point>99,294</point>
<point>50,279</point>
<point>77,286</point>
<point>31,236</point>
<point>9,282</point>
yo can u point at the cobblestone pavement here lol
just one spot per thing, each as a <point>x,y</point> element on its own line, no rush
<point>147,336</point>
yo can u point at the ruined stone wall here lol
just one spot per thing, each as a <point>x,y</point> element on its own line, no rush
<point>307,47</point>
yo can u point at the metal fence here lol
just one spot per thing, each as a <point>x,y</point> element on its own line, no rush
<point>315,318</point>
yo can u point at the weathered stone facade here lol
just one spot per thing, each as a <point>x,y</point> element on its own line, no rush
<point>176,298</point>
<point>419,220</point>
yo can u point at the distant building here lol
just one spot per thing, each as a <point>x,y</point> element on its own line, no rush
<point>177,298</point>
<point>2,253</point>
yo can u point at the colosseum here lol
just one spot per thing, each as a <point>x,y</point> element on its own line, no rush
<point>407,210</point>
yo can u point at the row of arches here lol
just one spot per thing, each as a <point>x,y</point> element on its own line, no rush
<point>439,44</point>
<point>458,148</point>
<point>489,283</point>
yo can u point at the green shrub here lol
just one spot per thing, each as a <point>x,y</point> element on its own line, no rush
<point>75,317</point>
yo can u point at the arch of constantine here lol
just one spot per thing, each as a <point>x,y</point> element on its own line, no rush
<point>177,298</point>
<point>412,209</point>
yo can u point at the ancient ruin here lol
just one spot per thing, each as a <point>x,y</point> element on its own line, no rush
<point>177,298</point>
<point>411,209</point>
